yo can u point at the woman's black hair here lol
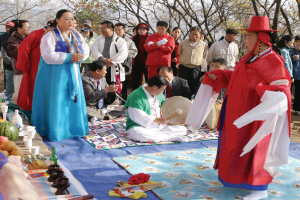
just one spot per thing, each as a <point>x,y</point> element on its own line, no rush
<point>134,29</point>
<point>61,12</point>
<point>59,15</point>
<point>11,30</point>
<point>174,29</point>
<point>273,37</point>
<point>285,38</point>
<point>157,81</point>
<point>51,23</point>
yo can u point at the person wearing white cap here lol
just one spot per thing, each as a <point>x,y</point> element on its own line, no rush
<point>89,38</point>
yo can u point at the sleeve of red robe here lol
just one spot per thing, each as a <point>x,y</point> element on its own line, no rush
<point>29,43</point>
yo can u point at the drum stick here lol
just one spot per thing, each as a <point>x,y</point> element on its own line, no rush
<point>85,197</point>
<point>178,112</point>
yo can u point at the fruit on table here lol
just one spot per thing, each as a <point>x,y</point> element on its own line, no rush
<point>9,130</point>
<point>5,153</point>
<point>3,139</point>
<point>17,152</point>
<point>8,145</point>
<point>11,148</point>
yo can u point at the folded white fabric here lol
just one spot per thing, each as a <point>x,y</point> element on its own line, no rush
<point>273,110</point>
<point>204,101</point>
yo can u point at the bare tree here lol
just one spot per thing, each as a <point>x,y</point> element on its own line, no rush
<point>28,10</point>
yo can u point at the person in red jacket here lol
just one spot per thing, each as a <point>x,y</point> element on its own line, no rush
<point>176,32</point>
<point>159,47</point>
<point>28,62</point>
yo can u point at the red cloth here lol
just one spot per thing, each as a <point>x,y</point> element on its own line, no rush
<point>139,179</point>
<point>245,87</point>
<point>152,71</point>
<point>28,62</point>
<point>175,53</point>
<point>168,91</point>
<point>159,56</point>
<point>141,48</point>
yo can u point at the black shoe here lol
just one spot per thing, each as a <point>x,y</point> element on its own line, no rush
<point>106,118</point>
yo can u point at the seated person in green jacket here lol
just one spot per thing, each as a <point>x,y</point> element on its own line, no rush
<point>144,122</point>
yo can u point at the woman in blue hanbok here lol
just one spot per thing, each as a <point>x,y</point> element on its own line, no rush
<point>58,107</point>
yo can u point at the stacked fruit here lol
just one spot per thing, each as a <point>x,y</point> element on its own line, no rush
<point>8,147</point>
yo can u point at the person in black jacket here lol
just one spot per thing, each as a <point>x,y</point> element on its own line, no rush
<point>4,37</point>
<point>177,86</point>
<point>8,69</point>
<point>139,66</point>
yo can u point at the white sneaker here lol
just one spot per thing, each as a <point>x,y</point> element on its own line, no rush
<point>257,195</point>
<point>297,113</point>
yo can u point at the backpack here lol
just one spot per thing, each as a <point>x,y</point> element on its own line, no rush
<point>127,69</point>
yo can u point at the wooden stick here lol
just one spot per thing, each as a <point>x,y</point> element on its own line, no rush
<point>145,186</point>
<point>178,112</point>
<point>172,116</point>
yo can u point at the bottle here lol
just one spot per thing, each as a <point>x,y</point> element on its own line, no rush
<point>53,157</point>
<point>17,120</point>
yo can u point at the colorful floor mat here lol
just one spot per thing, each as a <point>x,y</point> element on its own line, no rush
<point>189,174</point>
<point>111,134</point>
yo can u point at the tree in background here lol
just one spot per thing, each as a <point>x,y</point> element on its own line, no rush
<point>36,12</point>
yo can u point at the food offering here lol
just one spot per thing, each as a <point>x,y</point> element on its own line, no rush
<point>32,158</point>
<point>37,165</point>
<point>9,148</point>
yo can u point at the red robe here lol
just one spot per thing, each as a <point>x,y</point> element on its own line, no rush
<point>28,61</point>
<point>245,86</point>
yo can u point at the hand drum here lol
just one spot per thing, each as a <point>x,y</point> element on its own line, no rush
<point>176,109</point>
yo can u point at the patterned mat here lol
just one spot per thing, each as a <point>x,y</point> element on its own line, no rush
<point>190,175</point>
<point>111,134</point>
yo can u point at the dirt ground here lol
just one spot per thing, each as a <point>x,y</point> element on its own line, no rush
<point>295,135</point>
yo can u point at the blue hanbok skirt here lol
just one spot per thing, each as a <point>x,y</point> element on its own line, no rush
<point>54,113</point>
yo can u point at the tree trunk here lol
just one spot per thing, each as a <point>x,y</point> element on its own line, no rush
<point>287,21</point>
<point>255,7</point>
<point>275,20</point>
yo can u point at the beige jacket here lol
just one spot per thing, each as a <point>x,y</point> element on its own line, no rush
<point>226,50</point>
<point>192,57</point>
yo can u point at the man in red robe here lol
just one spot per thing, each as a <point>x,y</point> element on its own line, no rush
<point>28,61</point>
<point>254,120</point>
